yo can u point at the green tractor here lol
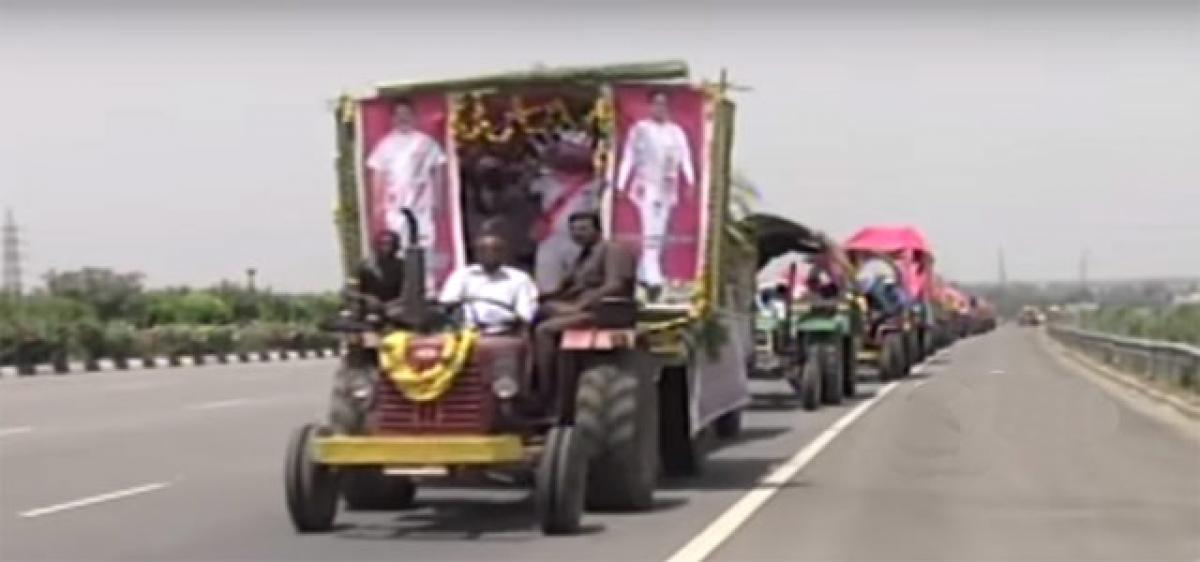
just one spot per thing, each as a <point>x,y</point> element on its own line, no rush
<point>805,332</point>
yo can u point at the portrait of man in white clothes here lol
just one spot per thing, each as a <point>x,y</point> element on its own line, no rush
<point>407,167</point>
<point>656,164</point>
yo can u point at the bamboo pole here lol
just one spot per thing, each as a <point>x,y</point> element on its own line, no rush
<point>661,70</point>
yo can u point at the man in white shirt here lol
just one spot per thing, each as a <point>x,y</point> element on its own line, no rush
<point>495,298</point>
<point>656,154</point>
<point>407,166</point>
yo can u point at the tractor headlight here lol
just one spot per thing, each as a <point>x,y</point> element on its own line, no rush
<point>505,373</point>
<point>362,389</point>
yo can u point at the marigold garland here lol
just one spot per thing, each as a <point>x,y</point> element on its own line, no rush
<point>427,384</point>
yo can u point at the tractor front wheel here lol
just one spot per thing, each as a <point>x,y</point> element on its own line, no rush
<point>311,489</point>
<point>561,475</point>
<point>829,360</point>
<point>808,387</point>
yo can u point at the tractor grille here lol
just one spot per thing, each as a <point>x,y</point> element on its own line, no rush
<point>468,407</point>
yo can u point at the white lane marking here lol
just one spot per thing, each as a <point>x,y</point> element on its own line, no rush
<point>996,372</point>
<point>219,404</point>
<point>717,532</point>
<point>6,431</point>
<point>919,384</point>
<point>92,500</point>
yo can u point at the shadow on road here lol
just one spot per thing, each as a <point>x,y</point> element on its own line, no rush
<point>452,519</point>
<point>729,474</point>
<point>447,518</point>
<point>751,434</point>
<point>781,401</point>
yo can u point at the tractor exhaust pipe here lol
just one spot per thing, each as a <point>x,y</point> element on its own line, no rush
<point>412,295</point>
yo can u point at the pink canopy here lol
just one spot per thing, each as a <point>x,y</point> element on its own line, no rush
<point>886,239</point>
<point>915,257</point>
<point>956,298</point>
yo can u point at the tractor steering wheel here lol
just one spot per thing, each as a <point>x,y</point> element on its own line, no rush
<point>455,311</point>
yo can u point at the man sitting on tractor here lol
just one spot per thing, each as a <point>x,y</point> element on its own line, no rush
<point>379,278</point>
<point>602,270</point>
<point>495,298</point>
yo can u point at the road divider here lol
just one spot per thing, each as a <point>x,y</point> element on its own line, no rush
<point>168,362</point>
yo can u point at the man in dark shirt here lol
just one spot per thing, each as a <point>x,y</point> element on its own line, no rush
<point>603,269</point>
<point>380,278</point>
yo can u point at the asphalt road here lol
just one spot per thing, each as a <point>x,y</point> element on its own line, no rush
<point>998,451</point>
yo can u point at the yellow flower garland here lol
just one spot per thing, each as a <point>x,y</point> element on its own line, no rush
<point>427,384</point>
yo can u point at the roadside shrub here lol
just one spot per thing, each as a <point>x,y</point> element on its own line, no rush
<point>89,339</point>
<point>119,340</point>
<point>221,339</point>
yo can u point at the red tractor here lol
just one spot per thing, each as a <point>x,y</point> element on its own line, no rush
<point>420,395</point>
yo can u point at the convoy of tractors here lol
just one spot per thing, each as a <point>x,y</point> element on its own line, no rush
<point>644,384</point>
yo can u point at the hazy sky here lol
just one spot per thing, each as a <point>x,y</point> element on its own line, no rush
<point>192,143</point>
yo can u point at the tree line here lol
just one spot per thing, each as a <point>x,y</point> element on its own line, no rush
<point>94,313</point>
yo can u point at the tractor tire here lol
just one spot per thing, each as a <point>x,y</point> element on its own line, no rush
<point>912,346</point>
<point>850,367</point>
<point>310,488</point>
<point>809,385</point>
<point>829,359</point>
<point>561,475</point>
<point>891,358</point>
<point>616,415</point>
<point>369,489</point>
<point>729,425</point>
<point>682,451</point>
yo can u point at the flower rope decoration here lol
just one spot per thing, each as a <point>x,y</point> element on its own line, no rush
<point>429,384</point>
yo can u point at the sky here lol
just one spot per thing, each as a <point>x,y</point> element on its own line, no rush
<point>192,140</point>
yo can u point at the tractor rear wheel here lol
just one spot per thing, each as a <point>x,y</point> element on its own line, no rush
<point>850,367</point>
<point>891,357</point>
<point>311,489</point>
<point>616,414</point>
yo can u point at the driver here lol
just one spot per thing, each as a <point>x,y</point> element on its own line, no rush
<point>495,298</point>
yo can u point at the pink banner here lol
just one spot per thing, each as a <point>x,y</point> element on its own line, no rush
<point>406,164</point>
<point>659,199</point>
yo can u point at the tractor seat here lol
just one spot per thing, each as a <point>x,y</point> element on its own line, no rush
<point>615,313</point>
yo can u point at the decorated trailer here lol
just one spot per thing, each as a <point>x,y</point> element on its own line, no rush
<point>642,384</point>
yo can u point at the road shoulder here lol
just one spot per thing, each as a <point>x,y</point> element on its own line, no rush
<point>1158,404</point>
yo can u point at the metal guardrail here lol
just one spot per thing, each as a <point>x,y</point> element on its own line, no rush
<point>1173,363</point>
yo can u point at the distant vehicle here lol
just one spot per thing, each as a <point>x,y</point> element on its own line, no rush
<point>808,337</point>
<point>1031,316</point>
